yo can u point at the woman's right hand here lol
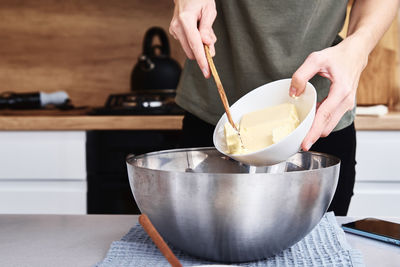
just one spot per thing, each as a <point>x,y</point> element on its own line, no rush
<point>191,25</point>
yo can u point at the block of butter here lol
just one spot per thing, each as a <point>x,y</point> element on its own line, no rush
<point>262,128</point>
<point>233,142</point>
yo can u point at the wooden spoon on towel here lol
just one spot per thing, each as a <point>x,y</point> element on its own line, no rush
<point>158,240</point>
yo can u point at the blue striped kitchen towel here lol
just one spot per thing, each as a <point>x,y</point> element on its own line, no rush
<point>324,246</point>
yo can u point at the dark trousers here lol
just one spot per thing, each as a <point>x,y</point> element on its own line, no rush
<point>342,144</point>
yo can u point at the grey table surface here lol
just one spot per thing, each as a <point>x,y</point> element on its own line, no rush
<point>83,240</point>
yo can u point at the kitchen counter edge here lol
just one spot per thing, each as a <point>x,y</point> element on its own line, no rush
<point>391,121</point>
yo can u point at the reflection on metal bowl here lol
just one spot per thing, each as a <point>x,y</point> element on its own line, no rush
<point>216,208</point>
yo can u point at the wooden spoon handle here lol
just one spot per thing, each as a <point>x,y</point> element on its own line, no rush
<point>158,240</point>
<point>221,90</point>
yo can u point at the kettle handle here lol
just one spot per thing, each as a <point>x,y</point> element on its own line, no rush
<point>149,49</point>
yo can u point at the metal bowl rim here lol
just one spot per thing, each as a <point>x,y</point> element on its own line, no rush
<point>132,157</point>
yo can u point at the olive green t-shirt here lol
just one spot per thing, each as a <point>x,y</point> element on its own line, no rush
<point>260,41</point>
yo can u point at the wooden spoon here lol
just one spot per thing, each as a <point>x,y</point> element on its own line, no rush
<point>159,241</point>
<point>221,90</point>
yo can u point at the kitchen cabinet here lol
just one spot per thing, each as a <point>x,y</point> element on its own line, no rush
<point>43,172</point>
<point>377,188</point>
<point>109,191</point>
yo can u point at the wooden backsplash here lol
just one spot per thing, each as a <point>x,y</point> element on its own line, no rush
<point>379,82</point>
<point>85,47</point>
<point>89,47</point>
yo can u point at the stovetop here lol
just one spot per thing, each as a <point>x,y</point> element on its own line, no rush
<point>146,102</point>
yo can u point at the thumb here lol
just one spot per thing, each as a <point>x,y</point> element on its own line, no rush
<point>310,67</point>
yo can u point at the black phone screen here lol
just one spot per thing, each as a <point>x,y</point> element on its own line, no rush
<point>376,226</point>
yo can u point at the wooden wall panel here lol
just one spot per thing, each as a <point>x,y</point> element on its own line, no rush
<point>86,47</point>
<point>379,82</point>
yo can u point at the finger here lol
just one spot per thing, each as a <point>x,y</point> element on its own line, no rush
<point>205,27</point>
<point>196,45</point>
<point>310,67</point>
<point>328,114</point>
<point>212,50</point>
<point>212,47</point>
<point>346,105</point>
<point>177,32</point>
<point>181,37</point>
<point>174,24</point>
<point>346,102</point>
<point>173,33</point>
<point>334,121</point>
<point>214,37</point>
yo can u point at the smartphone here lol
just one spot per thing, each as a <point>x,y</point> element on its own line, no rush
<point>376,229</point>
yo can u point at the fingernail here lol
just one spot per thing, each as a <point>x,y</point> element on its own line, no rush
<point>292,91</point>
<point>205,72</point>
<point>308,146</point>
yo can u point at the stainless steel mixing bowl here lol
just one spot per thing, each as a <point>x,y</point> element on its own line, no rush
<point>216,208</point>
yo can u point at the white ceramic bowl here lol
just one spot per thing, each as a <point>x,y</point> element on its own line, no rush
<point>270,94</point>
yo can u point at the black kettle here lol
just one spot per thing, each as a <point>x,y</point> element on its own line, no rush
<point>155,68</point>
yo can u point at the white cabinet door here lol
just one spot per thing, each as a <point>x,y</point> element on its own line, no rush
<point>43,172</point>
<point>43,155</point>
<point>378,156</point>
<point>42,197</point>
<point>377,188</point>
<point>373,199</point>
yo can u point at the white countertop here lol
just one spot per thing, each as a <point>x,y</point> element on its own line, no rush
<point>83,240</point>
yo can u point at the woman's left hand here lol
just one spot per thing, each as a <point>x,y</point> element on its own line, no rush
<point>342,65</point>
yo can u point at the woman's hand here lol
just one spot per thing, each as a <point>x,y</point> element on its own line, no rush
<point>191,25</point>
<point>342,65</point>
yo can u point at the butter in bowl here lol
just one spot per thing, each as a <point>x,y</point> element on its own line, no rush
<point>271,123</point>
